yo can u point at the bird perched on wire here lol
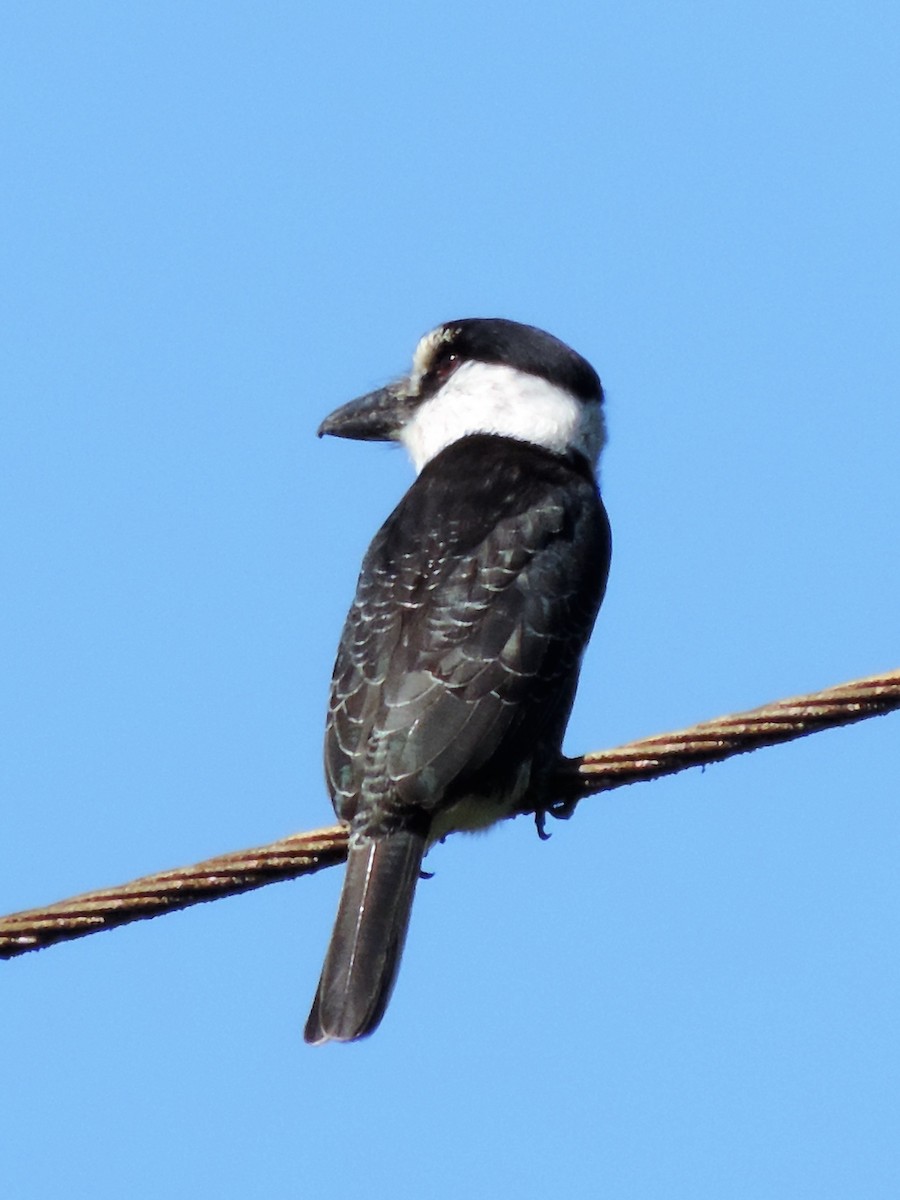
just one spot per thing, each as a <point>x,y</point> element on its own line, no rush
<point>458,662</point>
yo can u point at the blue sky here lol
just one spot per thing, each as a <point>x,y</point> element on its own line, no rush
<point>219,222</point>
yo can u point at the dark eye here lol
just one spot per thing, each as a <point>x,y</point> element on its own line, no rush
<point>445,367</point>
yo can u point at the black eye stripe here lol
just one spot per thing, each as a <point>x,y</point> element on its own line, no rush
<point>522,347</point>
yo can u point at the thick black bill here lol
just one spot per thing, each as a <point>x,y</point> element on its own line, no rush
<point>377,417</point>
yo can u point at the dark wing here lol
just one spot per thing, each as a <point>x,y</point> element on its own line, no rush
<point>460,654</point>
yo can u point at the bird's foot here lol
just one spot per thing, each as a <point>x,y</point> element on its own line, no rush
<point>561,810</point>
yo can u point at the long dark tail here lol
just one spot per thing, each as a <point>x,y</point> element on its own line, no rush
<point>364,953</point>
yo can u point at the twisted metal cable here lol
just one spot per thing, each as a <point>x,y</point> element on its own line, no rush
<point>306,853</point>
<point>739,733</point>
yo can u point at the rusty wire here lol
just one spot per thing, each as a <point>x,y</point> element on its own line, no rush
<point>305,853</point>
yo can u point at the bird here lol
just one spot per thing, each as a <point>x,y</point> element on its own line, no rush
<point>458,663</point>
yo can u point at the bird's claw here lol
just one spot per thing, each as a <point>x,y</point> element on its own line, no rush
<point>560,810</point>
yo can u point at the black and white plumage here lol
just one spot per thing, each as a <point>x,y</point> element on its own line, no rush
<point>458,663</point>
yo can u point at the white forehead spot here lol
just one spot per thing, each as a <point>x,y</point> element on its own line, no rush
<point>494,398</point>
<point>428,347</point>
